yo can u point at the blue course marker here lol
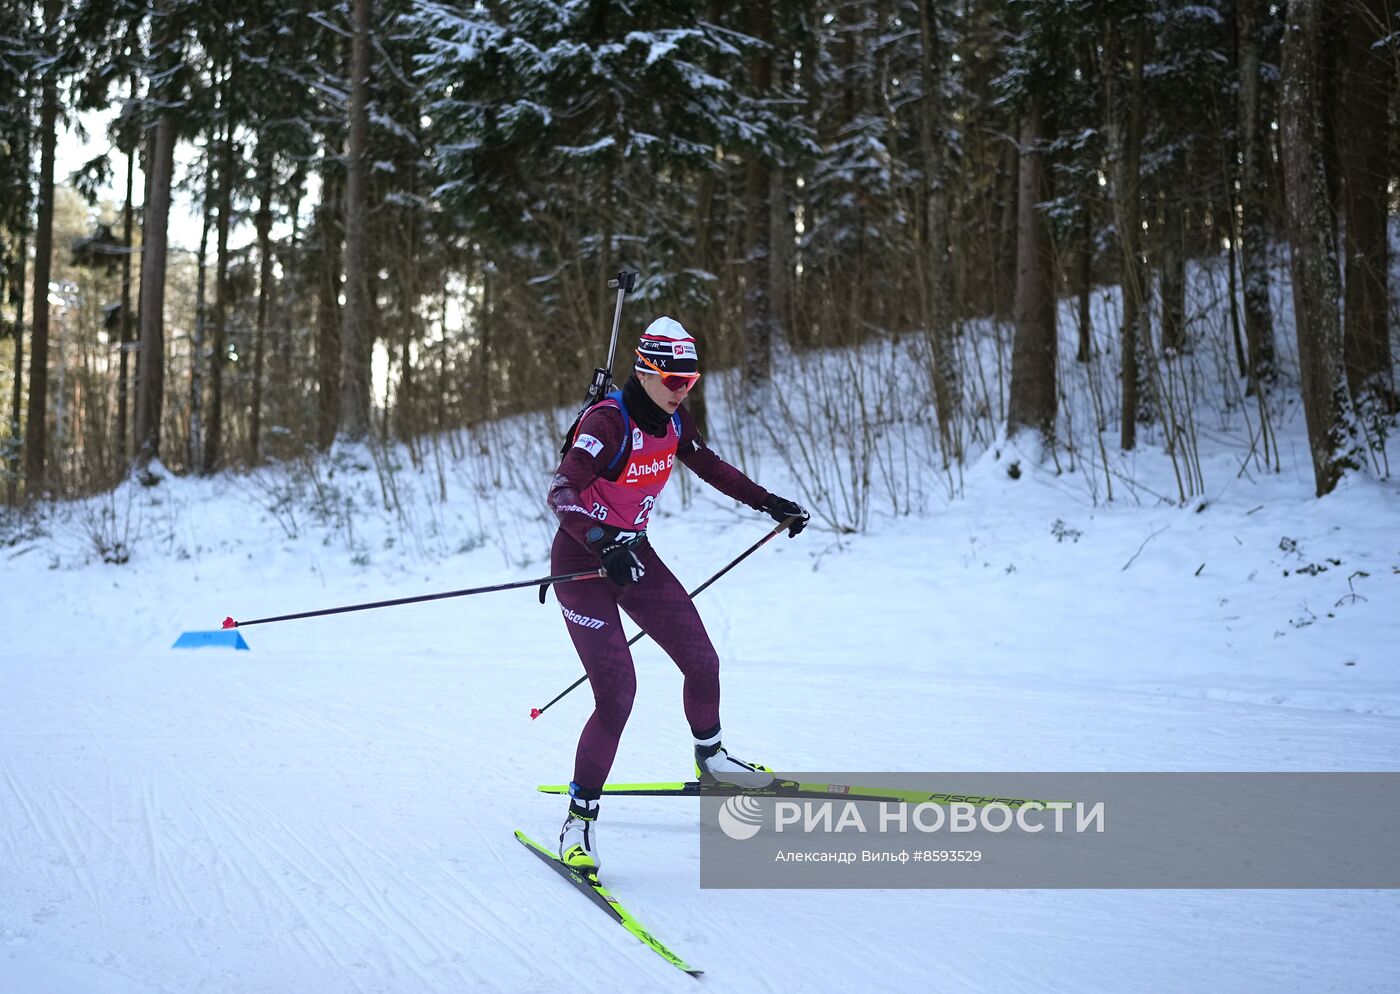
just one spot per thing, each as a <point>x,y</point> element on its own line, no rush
<point>231,639</point>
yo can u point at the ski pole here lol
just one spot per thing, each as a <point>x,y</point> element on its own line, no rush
<point>562,578</point>
<point>536,712</point>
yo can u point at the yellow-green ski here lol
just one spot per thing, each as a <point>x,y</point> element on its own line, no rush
<point>794,788</point>
<point>598,894</point>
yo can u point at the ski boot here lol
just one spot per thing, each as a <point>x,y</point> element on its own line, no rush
<point>578,839</point>
<point>713,765</point>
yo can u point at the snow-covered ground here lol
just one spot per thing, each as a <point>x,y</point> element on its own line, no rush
<point>333,811</point>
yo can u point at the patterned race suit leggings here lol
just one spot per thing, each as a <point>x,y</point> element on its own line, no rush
<point>658,604</point>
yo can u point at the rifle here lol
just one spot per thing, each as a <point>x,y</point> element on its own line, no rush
<point>624,283</point>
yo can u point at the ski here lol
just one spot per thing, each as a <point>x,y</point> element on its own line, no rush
<point>593,888</point>
<point>797,789</point>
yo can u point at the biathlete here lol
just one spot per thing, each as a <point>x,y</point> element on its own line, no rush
<point>622,454</point>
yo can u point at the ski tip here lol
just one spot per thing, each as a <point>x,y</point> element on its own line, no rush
<point>535,713</point>
<point>230,623</point>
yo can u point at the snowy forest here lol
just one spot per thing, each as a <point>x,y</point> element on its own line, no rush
<point>1071,323</point>
<point>408,213</point>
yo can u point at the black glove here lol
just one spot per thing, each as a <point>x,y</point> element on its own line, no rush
<point>618,552</point>
<point>780,509</point>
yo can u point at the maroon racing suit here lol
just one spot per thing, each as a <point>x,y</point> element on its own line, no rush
<point>658,602</point>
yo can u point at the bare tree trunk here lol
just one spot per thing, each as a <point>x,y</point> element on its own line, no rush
<point>285,400</point>
<point>143,159</point>
<point>1232,258</point>
<point>1316,281</point>
<point>150,362</point>
<point>938,256</point>
<point>1173,256</point>
<point>357,341</point>
<point>264,229</point>
<point>17,289</point>
<point>806,329</point>
<point>781,236</point>
<point>1004,288</point>
<point>440,394</point>
<point>1133,283</point>
<point>124,351</point>
<point>1254,199</point>
<point>758,299</point>
<point>17,387</point>
<point>782,216</point>
<point>36,428</point>
<point>214,432</point>
<point>700,256</point>
<point>403,403</point>
<point>200,319</point>
<point>1033,353</point>
<point>605,253</point>
<point>375,246</point>
<point>1366,174</point>
<point>328,308</point>
<point>479,361</point>
<point>1086,284</point>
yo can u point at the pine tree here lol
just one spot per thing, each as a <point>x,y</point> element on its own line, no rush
<point>1034,355</point>
<point>1367,84</point>
<point>36,423</point>
<point>1254,193</point>
<point>569,136</point>
<point>19,51</point>
<point>935,66</point>
<point>356,336</point>
<point>1126,103</point>
<point>1316,279</point>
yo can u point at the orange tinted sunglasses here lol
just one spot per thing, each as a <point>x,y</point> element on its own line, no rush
<point>675,382</point>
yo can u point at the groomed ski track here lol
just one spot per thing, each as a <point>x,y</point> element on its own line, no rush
<point>222,824</point>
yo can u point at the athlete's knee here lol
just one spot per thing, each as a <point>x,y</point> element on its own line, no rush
<point>699,661</point>
<point>613,703</point>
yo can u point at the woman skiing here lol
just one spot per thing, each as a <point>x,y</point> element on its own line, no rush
<point>623,450</point>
